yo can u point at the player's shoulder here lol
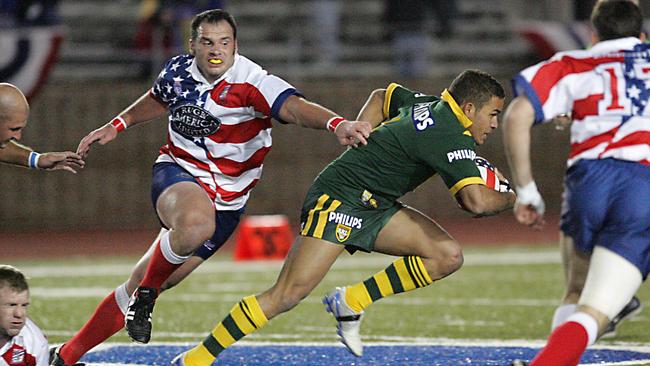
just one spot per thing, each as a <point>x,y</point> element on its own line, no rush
<point>245,70</point>
<point>179,65</point>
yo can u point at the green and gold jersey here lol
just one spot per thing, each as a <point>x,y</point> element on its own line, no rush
<point>422,135</point>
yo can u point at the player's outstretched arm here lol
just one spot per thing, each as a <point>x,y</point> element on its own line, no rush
<point>304,113</point>
<point>17,154</point>
<point>146,108</point>
<point>65,160</point>
<point>518,120</point>
<point>483,201</point>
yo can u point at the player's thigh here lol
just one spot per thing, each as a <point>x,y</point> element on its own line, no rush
<point>410,232</point>
<point>183,203</point>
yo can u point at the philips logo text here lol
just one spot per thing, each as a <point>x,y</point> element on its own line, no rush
<point>461,154</point>
<point>344,219</point>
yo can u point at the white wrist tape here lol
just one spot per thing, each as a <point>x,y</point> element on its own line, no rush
<point>529,195</point>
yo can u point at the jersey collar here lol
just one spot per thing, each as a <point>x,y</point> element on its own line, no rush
<point>462,118</point>
<point>616,44</point>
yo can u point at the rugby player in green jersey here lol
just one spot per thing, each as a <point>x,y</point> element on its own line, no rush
<point>353,204</point>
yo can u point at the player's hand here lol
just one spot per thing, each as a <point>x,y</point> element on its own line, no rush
<point>529,207</point>
<point>351,133</point>
<point>66,160</point>
<point>529,216</point>
<point>102,135</point>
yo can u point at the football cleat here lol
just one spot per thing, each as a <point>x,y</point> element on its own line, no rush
<point>179,360</point>
<point>138,314</point>
<point>349,321</point>
<point>630,310</point>
<point>519,363</point>
<point>56,360</point>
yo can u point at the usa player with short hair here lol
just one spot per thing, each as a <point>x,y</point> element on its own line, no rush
<point>605,215</point>
<point>220,106</point>
<point>14,112</point>
<point>353,205</point>
<point>22,343</point>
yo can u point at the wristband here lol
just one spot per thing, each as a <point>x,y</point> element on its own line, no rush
<point>32,160</point>
<point>529,195</point>
<point>333,122</point>
<point>119,123</point>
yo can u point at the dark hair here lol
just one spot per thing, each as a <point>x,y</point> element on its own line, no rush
<point>475,86</point>
<point>212,16</point>
<point>12,277</point>
<point>616,19</point>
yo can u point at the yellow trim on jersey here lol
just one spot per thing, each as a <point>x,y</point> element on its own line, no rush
<point>465,182</point>
<point>458,112</point>
<point>322,219</point>
<point>387,97</point>
<point>319,206</point>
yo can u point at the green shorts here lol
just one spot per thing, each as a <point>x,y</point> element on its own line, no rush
<point>355,226</point>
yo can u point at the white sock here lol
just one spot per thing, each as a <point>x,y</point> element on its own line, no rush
<point>122,297</point>
<point>168,253</point>
<point>589,323</point>
<point>562,313</point>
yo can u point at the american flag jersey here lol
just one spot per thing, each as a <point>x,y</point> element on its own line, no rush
<point>220,132</point>
<point>28,348</point>
<point>606,91</point>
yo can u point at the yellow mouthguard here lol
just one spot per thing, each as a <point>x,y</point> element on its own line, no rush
<point>216,62</point>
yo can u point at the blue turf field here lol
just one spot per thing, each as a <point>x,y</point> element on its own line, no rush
<point>288,355</point>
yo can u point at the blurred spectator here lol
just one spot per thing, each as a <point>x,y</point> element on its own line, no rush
<point>409,27</point>
<point>16,13</point>
<point>160,18</point>
<point>162,28</point>
<point>326,16</point>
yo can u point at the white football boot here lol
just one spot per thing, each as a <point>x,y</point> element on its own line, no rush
<point>179,360</point>
<point>348,320</point>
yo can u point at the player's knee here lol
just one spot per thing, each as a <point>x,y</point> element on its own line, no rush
<point>192,229</point>
<point>447,259</point>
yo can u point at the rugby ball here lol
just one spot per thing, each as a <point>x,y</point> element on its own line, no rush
<point>490,175</point>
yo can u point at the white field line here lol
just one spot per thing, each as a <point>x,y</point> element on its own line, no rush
<point>60,293</point>
<point>347,262</point>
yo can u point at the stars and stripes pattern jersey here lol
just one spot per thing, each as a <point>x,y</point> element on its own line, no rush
<point>28,348</point>
<point>220,132</point>
<point>605,90</point>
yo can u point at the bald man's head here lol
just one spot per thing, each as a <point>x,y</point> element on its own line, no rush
<point>14,111</point>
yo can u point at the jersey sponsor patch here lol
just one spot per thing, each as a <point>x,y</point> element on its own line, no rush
<point>343,219</point>
<point>422,117</point>
<point>342,232</point>
<point>192,121</point>
<point>461,154</point>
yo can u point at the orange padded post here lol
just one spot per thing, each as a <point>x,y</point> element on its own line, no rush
<point>263,237</point>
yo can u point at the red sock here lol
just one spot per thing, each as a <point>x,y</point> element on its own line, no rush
<point>158,270</point>
<point>565,346</point>
<point>106,321</point>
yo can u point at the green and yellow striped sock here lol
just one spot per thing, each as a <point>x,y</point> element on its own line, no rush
<point>405,274</point>
<point>245,317</point>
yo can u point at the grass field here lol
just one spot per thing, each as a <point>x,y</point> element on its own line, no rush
<point>503,295</point>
